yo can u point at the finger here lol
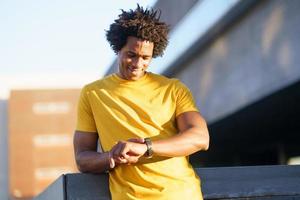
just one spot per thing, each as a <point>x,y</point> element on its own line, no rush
<point>115,155</point>
<point>116,150</point>
<point>120,154</point>
<point>113,149</point>
<point>123,147</point>
<point>137,140</point>
<point>132,159</point>
<point>125,150</point>
<point>111,161</point>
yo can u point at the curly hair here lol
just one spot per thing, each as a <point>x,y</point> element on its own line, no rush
<point>140,23</point>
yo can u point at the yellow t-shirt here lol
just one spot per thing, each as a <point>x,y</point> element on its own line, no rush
<point>120,109</point>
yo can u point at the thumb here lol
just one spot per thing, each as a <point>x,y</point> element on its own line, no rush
<point>111,161</point>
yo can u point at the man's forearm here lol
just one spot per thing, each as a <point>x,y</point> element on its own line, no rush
<point>183,144</point>
<point>93,162</point>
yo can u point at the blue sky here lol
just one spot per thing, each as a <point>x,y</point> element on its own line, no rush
<point>54,44</point>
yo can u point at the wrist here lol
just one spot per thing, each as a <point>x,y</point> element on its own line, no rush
<point>149,150</point>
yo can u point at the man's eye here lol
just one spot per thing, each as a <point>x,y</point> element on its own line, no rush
<point>130,55</point>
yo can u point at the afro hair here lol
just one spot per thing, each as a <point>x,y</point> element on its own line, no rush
<point>140,23</point>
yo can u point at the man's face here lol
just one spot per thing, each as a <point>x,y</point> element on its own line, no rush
<point>134,58</point>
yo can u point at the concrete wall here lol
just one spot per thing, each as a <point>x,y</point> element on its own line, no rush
<point>252,183</point>
<point>253,58</point>
<point>3,151</point>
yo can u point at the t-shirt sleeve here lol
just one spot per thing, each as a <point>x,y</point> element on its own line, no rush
<point>184,99</point>
<point>85,118</point>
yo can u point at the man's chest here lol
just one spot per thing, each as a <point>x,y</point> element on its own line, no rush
<point>156,104</point>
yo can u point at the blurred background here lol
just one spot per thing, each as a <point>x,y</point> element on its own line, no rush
<point>240,58</point>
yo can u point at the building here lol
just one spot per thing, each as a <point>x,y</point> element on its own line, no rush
<point>239,58</point>
<point>41,125</point>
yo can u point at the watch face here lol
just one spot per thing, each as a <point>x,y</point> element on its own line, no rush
<point>149,151</point>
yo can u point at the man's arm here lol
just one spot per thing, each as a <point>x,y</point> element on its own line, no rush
<point>193,136</point>
<point>86,155</point>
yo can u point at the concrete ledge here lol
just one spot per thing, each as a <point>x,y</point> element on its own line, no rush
<point>255,182</point>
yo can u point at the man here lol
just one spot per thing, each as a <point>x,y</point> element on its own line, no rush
<point>147,124</point>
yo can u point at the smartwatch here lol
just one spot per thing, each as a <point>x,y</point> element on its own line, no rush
<point>149,152</point>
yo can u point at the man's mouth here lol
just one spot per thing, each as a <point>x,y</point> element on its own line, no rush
<point>135,70</point>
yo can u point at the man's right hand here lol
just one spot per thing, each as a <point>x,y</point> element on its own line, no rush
<point>89,160</point>
<point>127,152</point>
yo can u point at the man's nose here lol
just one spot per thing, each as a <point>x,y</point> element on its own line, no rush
<point>138,62</point>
